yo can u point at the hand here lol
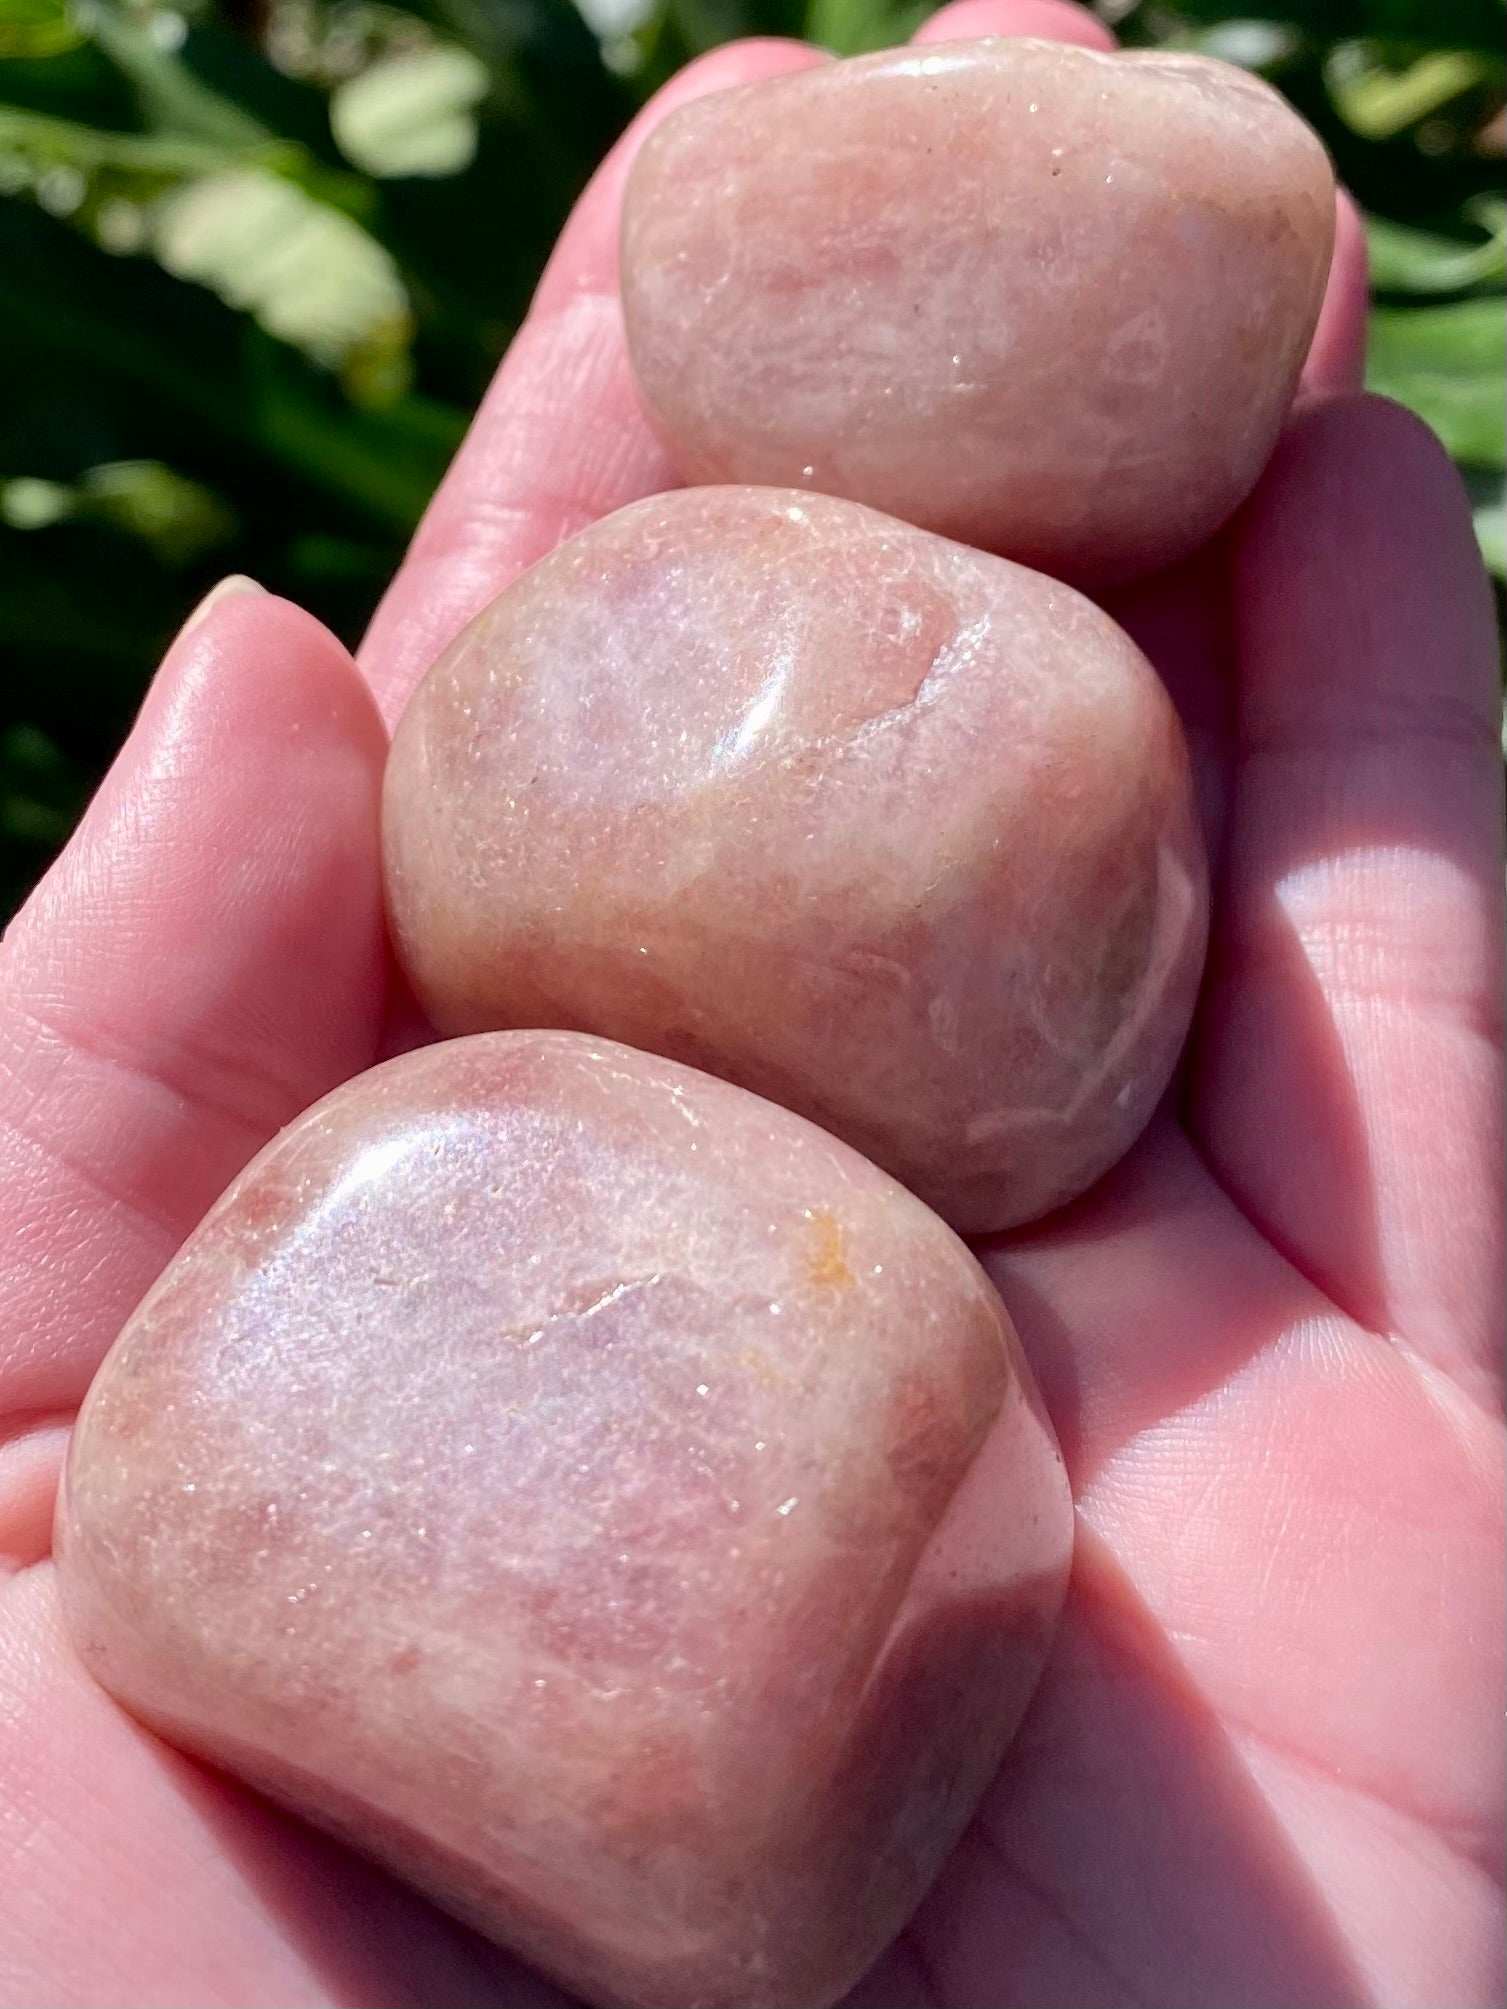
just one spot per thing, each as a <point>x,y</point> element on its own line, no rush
<point>1265,1764</point>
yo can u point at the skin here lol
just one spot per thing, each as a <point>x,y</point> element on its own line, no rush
<point>1265,1763</point>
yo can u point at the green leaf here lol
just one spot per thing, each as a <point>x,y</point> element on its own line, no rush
<point>854,27</point>
<point>172,97</point>
<point>1417,261</point>
<point>47,141</point>
<point>27,503</point>
<point>1378,102</point>
<point>309,274</point>
<point>226,393</point>
<point>1491,535</point>
<point>1486,495</point>
<point>1449,365</point>
<point>177,519</point>
<point>1422,24</point>
<point>411,114</point>
<point>104,164</point>
<point>37,28</point>
<point>1254,45</point>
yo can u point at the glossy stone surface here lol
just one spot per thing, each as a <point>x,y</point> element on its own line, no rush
<point>1047,301</point>
<point>895,833</point>
<point>561,1473</point>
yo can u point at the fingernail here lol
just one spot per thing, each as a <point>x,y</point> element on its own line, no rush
<point>228,589</point>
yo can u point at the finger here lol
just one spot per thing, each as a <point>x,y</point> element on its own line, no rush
<point>203,961</point>
<point>560,438</point>
<point>1181,617</point>
<point>1271,1482</point>
<point>1350,1078</point>
<point>1337,354</point>
<point>1047,20</point>
<point>131,1875</point>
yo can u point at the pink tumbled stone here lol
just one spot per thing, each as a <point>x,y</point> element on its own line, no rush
<point>596,1493</point>
<point>892,832</point>
<point>1045,300</point>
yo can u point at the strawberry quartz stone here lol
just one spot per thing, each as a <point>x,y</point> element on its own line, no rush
<point>892,832</point>
<point>1048,301</point>
<point>600,1495</point>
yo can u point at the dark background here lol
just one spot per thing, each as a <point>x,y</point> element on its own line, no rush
<point>259,257</point>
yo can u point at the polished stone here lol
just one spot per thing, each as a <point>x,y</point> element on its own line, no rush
<point>1045,300</point>
<point>894,833</point>
<point>599,1495</point>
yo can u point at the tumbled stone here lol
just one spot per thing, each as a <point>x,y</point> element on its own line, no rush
<point>1048,301</point>
<point>599,1495</point>
<point>894,833</point>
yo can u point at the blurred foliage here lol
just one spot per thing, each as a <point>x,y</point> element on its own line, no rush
<point>259,257</point>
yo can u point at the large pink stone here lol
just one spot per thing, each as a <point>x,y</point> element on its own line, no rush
<point>894,833</point>
<point>596,1493</point>
<point>1045,300</point>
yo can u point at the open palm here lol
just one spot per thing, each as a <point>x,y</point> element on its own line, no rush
<point>1264,1766</point>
